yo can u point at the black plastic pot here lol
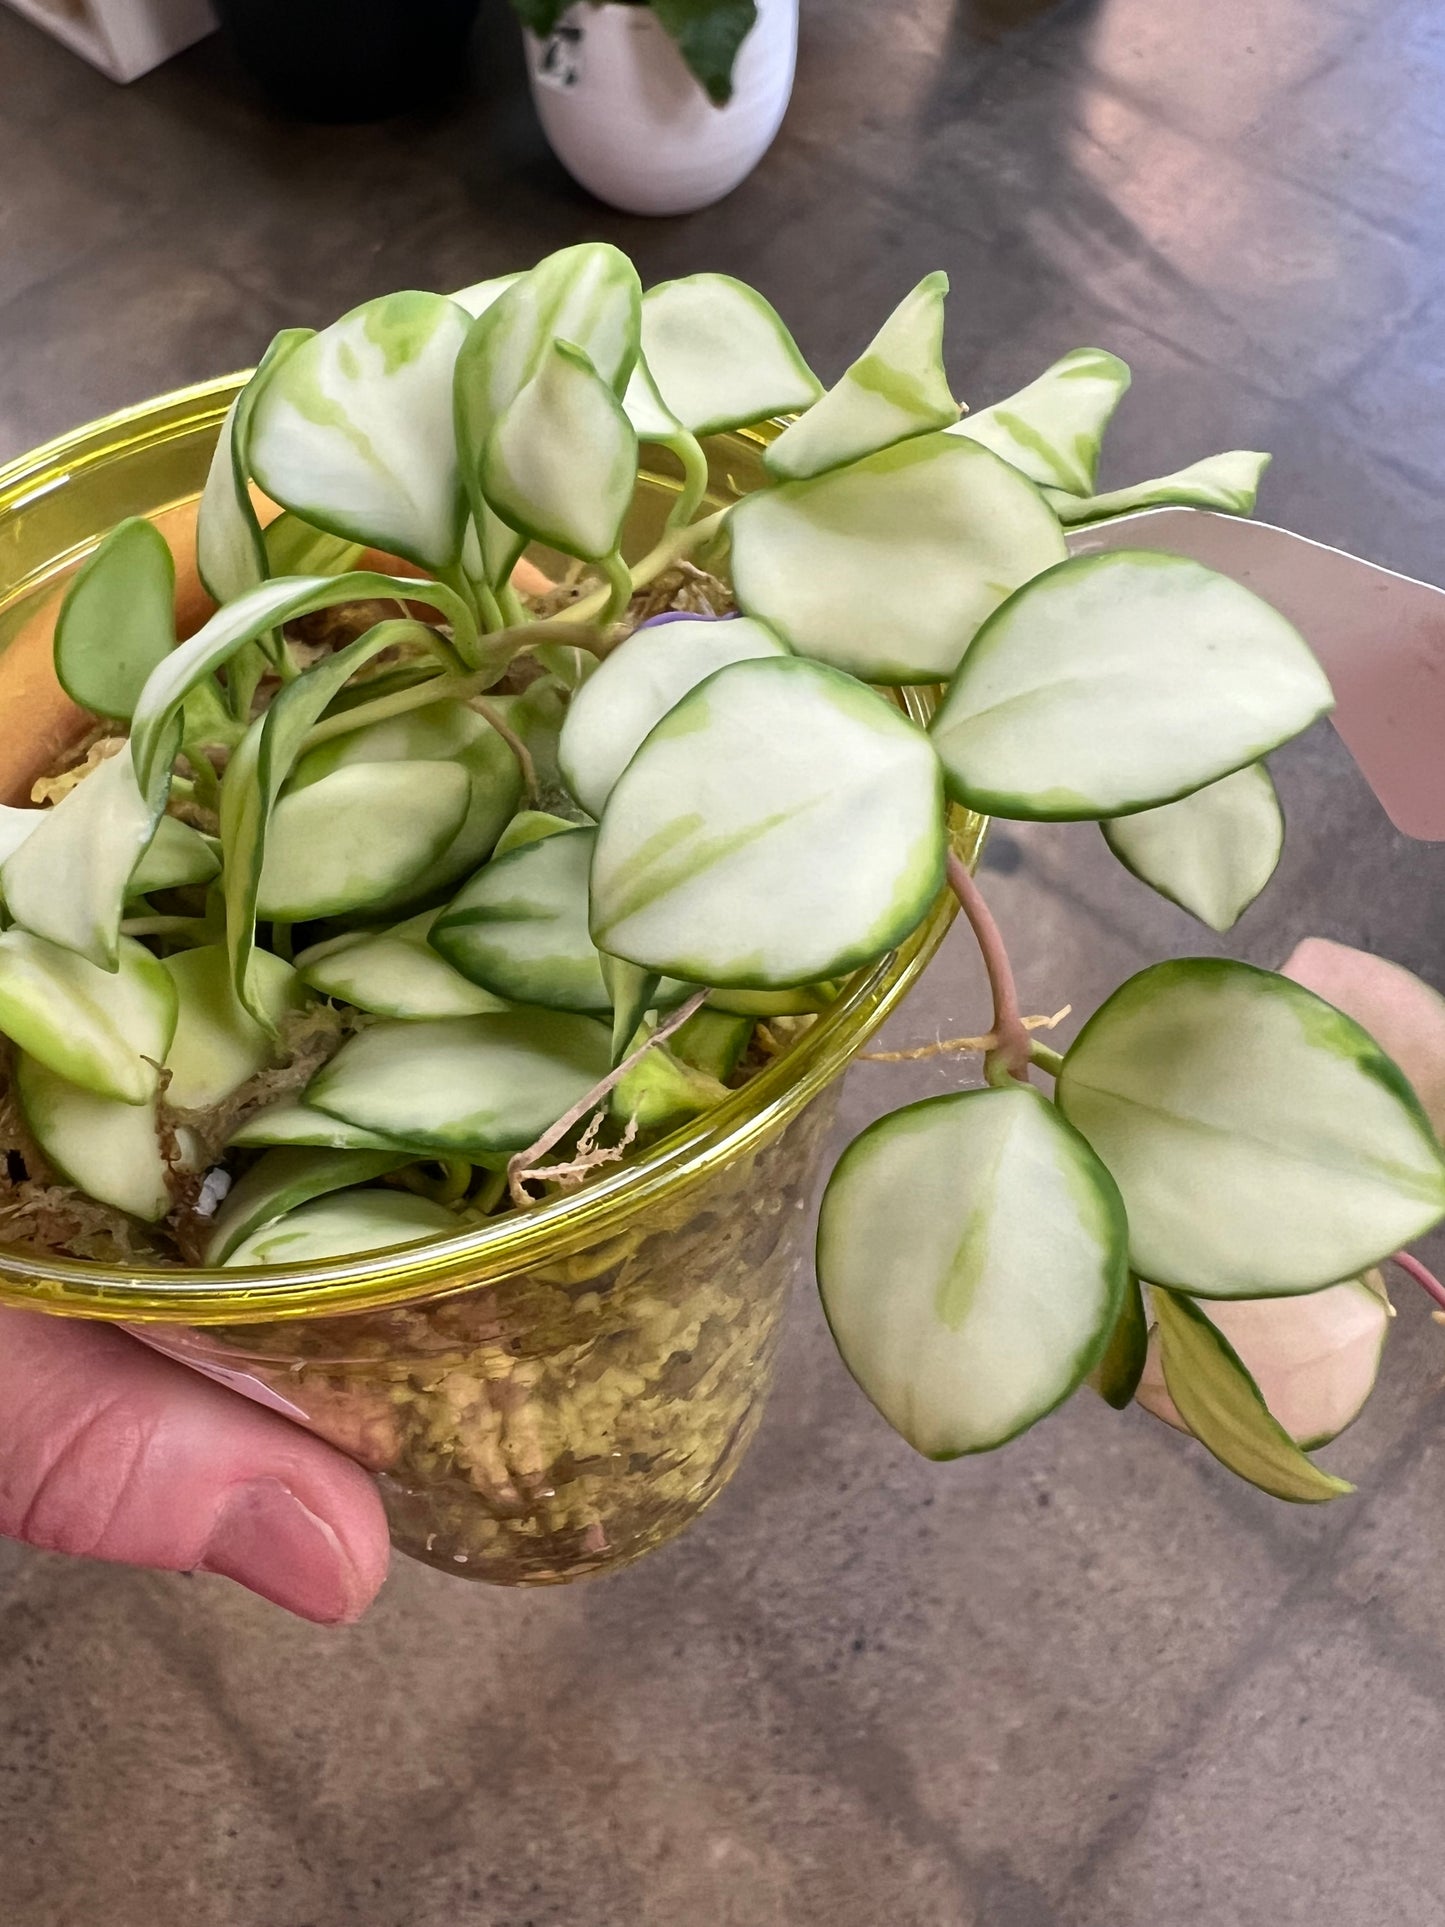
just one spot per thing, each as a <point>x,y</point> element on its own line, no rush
<point>350,60</point>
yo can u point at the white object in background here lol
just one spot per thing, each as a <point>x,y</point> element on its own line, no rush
<point>629,121</point>
<point>124,38</point>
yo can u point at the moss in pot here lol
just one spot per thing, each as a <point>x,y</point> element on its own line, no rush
<point>399,905</point>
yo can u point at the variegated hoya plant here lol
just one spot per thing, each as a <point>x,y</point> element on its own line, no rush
<point>555,864</point>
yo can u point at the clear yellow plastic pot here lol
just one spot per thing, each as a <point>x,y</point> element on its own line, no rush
<point>554,1394</point>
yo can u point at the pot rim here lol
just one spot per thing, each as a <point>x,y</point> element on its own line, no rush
<point>549,1231</point>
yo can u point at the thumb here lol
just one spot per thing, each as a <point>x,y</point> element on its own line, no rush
<point>109,1450</point>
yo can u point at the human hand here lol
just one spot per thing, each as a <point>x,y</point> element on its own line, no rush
<point>110,1451</point>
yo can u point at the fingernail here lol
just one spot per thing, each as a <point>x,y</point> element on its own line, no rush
<point>267,1540</point>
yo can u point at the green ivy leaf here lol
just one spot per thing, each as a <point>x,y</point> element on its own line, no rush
<point>972,1262</point>
<point>1262,1142</point>
<point>1221,1405</point>
<point>117,621</point>
<point>709,34</point>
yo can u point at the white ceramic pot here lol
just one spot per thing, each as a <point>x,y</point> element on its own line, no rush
<point>628,120</point>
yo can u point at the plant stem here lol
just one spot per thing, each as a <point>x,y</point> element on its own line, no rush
<point>673,546</point>
<point>510,604</point>
<point>620,577</point>
<point>514,743</point>
<point>688,450</point>
<point>194,929</point>
<point>522,1163</point>
<point>1009,1057</point>
<point>1426,1280</point>
<point>1048,1060</point>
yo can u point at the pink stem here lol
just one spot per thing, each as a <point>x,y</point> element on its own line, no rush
<point>1011,1039</point>
<point>1426,1280</point>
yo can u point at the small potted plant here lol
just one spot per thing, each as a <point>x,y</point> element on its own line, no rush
<point>425,982</point>
<point>660,106</point>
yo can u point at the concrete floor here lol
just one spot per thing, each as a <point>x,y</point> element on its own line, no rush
<point>1089,1681</point>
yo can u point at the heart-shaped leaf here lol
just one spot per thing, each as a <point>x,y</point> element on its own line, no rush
<point>1068,704</point>
<point>342,1226</point>
<point>254,779</point>
<point>283,1180</point>
<point>394,973</point>
<point>720,355</point>
<point>218,1045</point>
<point>1228,483</point>
<point>1221,1405</point>
<point>1213,851</point>
<point>633,689</point>
<point>69,879</point>
<point>1052,430</point>
<point>1314,1359</point>
<point>467,1084</point>
<point>232,555</point>
<point>442,732</point>
<point>353,429</point>
<point>588,296</point>
<point>971,1258</point>
<point>177,857</point>
<point>117,620</point>
<point>108,1150</point>
<point>1262,1142</point>
<point>888,568</point>
<point>103,1030</point>
<point>896,389</point>
<point>1116,1377</point>
<point>561,463</point>
<point>358,837</point>
<point>780,824</point>
<point>519,928</point>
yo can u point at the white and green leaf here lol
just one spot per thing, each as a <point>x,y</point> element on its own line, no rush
<point>294,547</point>
<point>285,1179</point>
<point>1222,1406</point>
<point>1118,682</point>
<point>972,1264</point>
<point>519,928</point>
<point>101,1029</point>
<point>1314,1359</point>
<point>394,973</point>
<point>117,620</point>
<point>1262,1141</point>
<point>465,1084</point>
<point>218,1045</point>
<point>1052,429</point>
<point>634,687</point>
<point>109,1150</point>
<point>353,429</point>
<point>232,555</point>
<point>720,356</point>
<point>292,1122</point>
<point>561,463</point>
<point>343,1227</point>
<point>781,824</point>
<point>888,568</point>
<point>896,389</point>
<point>1213,851</point>
<point>177,856</point>
<point>1228,483</point>
<point>68,881</point>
